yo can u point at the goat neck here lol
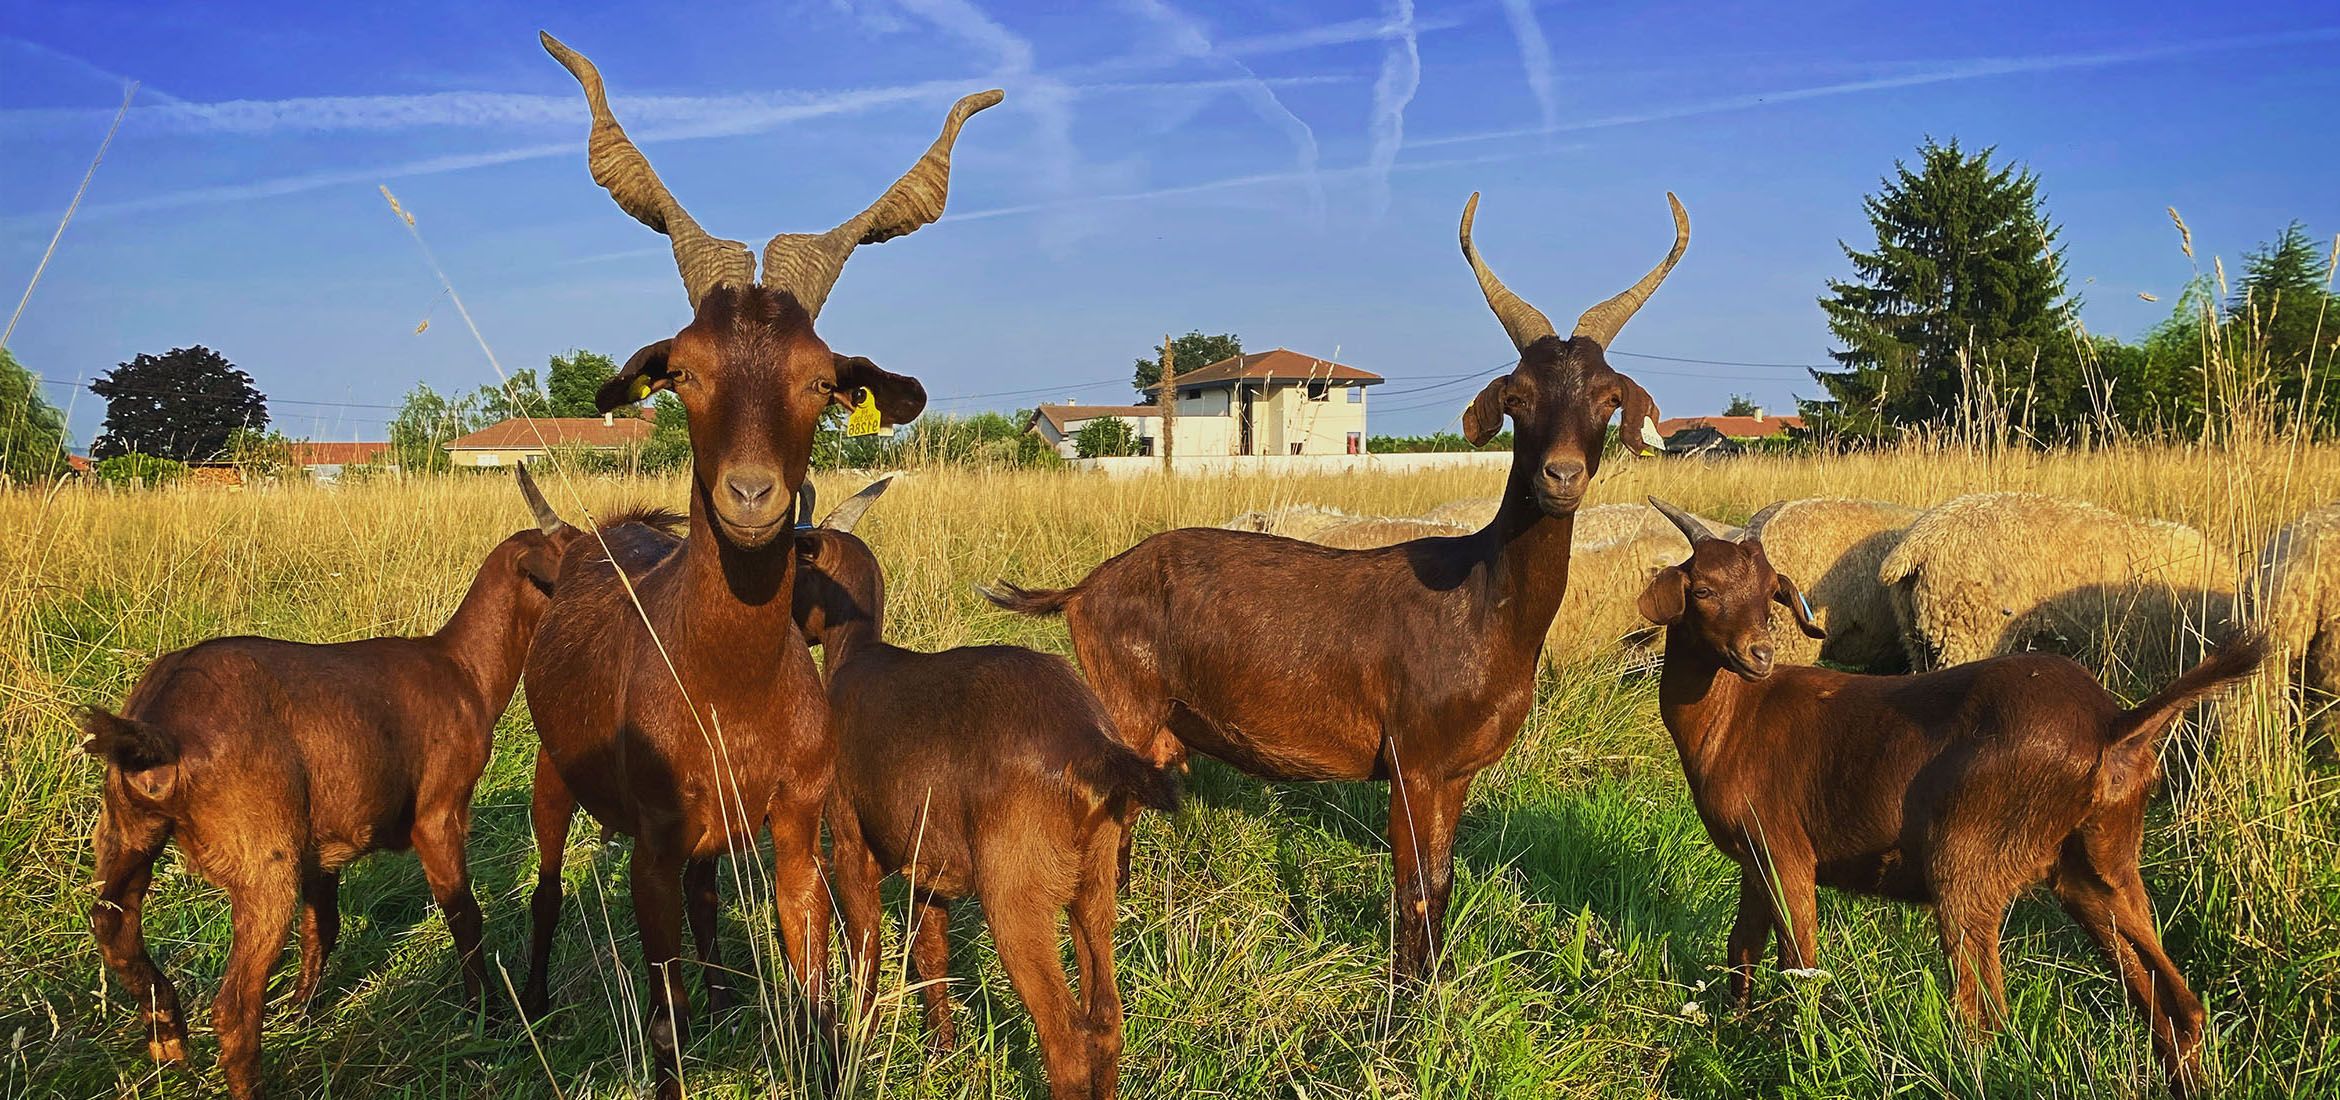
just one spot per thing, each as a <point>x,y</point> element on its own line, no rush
<point>487,636</point>
<point>734,587</point>
<point>1527,554</point>
<point>1699,697</point>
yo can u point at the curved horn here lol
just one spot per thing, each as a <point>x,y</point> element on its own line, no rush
<point>1693,528</point>
<point>807,264</point>
<point>1601,322</point>
<point>849,513</point>
<point>1753,531</point>
<point>547,520</point>
<point>706,262</point>
<point>1524,322</point>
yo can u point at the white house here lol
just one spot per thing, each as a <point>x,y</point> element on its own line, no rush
<point>1276,402</point>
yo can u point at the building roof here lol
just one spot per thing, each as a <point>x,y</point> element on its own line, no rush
<point>518,434</point>
<point>1736,427</point>
<point>1060,415</point>
<point>1279,365</point>
<point>306,453</point>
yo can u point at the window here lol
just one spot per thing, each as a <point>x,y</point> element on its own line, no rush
<point>1316,391</point>
<point>1356,395</point>
<point>1192,395</point>
<point>1295,448</point>
<point>1356,442</point>
<point>491,458</point>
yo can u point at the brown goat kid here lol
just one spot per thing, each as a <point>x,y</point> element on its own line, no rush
<point>1413,663</point>
<point>1956,789</point>
<point>678,704</point>
<point>989,771</point>
<point>276,764</point>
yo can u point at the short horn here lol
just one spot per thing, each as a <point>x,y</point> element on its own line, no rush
<point>849,513</point>
<point>705,262</point>
<point>1602,322</point>
<point>1523,322</point>
<point>1692,527</point>
<point>806,265</point>
<point>1753,531</point>
<point>547,520</point>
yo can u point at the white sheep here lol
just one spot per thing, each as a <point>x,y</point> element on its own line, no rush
<point>2297,591</point>
<point>1994,573</point>
<point>1833,547</point>
<point>1296,521</point>
<point>1367,532</point>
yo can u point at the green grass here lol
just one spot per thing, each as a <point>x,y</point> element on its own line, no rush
<point>1586,926</point>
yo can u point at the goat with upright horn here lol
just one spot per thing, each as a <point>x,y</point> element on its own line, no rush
<point>687,712</point>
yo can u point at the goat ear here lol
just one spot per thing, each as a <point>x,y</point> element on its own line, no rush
<point>1662,602</point>
<point>1484,417</point>
<point>1787,595</point>
<point>644,374</point>
<point>1638,428</point>
<point>542,564</point>
<point>900,398</point>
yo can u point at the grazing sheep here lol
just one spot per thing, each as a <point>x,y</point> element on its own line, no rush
<point>2297,588</point>
<point>1992,573</point>
<point>1472,512</point>
<point>1836,546</point>
<point>1367,532</point>
<point>1293,521</point>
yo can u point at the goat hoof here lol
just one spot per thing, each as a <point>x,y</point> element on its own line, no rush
<point>168,1051</point>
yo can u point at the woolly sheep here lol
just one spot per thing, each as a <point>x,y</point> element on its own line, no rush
<point>1366,532</point>
<point>1992,573</point>
<point>1833,548</point>
<point>2297,588</point>
<point>1297,521</point>
<point>1471,512</point>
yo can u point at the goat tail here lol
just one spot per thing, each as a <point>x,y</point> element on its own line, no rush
<point>2233,660</point>
<point>1123,777</point>
<point>1028,601</point>
<point>127,743</point>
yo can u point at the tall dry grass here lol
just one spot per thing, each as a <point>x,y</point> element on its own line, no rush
<point>1588,920</point>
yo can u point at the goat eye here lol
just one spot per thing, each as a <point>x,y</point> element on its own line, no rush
<point>824,387</point>
<point>1704,593</point>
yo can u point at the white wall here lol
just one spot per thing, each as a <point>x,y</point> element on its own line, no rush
<point>1289,465</point>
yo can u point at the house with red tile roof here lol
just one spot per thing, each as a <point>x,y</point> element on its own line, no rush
<point>1277,402</point>
<point>523,440</point>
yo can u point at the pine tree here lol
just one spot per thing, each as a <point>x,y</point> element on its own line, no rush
<point>182,404</point>
<point>2283,308</point>
<point>1963,296</point>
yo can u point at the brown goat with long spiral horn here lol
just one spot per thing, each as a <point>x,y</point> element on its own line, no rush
<point>684,710</point>
<point>1413,663</point>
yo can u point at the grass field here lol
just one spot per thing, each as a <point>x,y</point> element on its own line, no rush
<point>1587,923</point>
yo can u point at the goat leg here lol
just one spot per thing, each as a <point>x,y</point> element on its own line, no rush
<point>439,842</point>
<point>127,846</point>
<point>549,814</point>
<point>702,899</point>
<point>1750,934</point>
<point>320,927</point>
<point>1423,813</point>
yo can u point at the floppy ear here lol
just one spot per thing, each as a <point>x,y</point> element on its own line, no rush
<point>1484,417</point>
<point>1787,595</point>
<point>644,374</point>
<point>541,563</point>
<point>1638,428</point>
<point>899,397</point>
<point>1663,600</point>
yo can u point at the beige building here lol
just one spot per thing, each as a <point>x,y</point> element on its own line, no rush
<point>520,440</point>
<point>1276,402</point>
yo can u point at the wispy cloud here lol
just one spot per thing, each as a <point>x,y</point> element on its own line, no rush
<point>1535,58</point>
<point>1187,38</point>
<point>1947,73</point>
<point>1254,180</point>
<point>1401,75</point>
<point>82,66</point>
<point>1343,33</point>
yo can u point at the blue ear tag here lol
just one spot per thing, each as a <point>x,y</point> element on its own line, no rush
<point>1807,604</point>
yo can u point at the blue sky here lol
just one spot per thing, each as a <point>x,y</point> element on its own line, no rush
<point>1290,171</point>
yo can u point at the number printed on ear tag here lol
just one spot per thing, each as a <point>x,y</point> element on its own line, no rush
<point>865,420</point>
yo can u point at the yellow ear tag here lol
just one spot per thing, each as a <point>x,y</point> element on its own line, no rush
<point>641,388</point>
<point>865,419</point>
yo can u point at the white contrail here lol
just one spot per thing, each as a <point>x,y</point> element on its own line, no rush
<point>1237,183</point>
<point>1965,70</point>
<point>1401,75</point>
<point>1535,58</point>
<point>1187,39</point>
